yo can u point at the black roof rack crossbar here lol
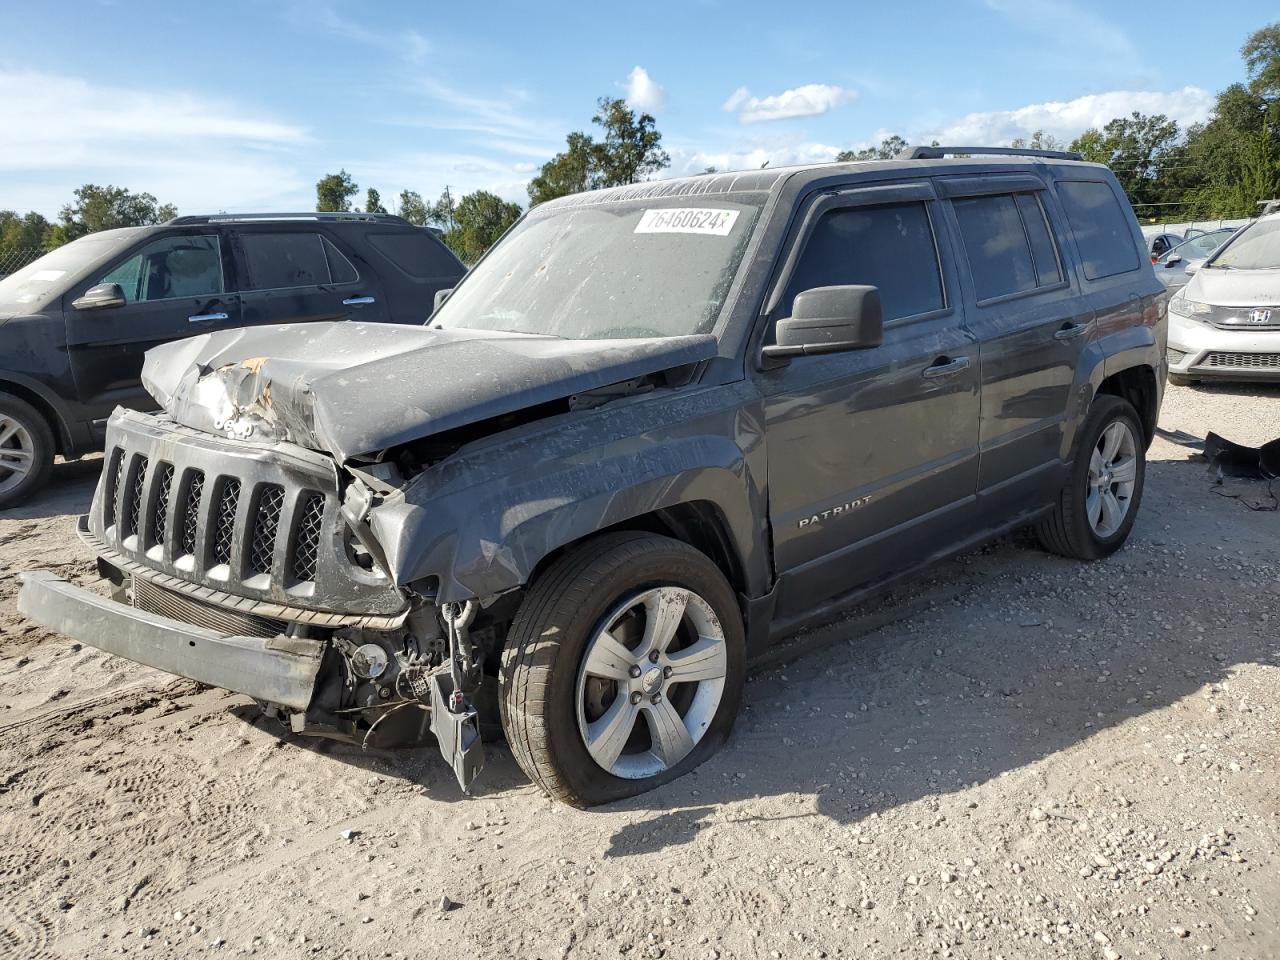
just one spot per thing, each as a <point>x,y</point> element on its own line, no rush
<point>937,153</point>
<point>304,215</point>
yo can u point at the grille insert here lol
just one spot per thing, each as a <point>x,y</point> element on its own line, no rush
<point>306,548</point>
<point>224,524</point>
<point>191,513</point>
<point>115,477</point>
<point>133,506</point>
<point>265,526</point>
<point>169,603</point>
<point>160,512</point>
<point>1248,360</point>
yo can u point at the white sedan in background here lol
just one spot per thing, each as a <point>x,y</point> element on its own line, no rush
<point>1176,266</point>
<point>1225,323</point>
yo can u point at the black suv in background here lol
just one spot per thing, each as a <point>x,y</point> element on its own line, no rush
<point>78,320</point>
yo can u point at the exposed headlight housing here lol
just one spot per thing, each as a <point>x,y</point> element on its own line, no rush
<point>1192,309</point>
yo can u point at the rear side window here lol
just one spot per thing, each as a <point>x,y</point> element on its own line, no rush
<point>1102,230</point>
<point>281,260</point>
<point>1008,243</point>
<point>416,253</point>
<point>890,247</point>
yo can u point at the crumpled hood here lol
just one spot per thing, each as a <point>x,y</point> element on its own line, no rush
<point>1235,288</point>
<point>357,388</point>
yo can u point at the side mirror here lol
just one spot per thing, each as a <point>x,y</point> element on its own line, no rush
<point>1192,267</point>
<point>102,296</point>
<point>1173,260</point>
<point>441,297</point>
<point>829,320</point>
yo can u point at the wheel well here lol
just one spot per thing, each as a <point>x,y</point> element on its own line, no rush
<point>61,439</point>
<point>1138,386</point>
<point>698,523</point>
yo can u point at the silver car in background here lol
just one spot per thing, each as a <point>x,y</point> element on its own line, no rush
<point>1177,265</point>
<point>1225,323</point>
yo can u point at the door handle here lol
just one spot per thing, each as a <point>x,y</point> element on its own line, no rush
<point>357,301</point>
<point>942,367</point>
<point>1071,331</point>
<point>206,317</point>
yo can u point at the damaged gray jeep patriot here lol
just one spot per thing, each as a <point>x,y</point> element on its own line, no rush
<point>655,428</point>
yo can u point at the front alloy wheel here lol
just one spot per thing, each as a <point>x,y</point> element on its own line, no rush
<point>1113,472</point>
<point>651,682</point>
<point>622,669</point>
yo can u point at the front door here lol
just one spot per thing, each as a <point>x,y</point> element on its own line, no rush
<point>872,453</point>
<point>175,286</point>
<point>297,275</point>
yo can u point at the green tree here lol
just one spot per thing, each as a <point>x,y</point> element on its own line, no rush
<point>480,219</point>
<point>889,148</point>
<point>23,233</point>
<point>106,208</point>
<point>1135,147</point>
<point>443,214</point>
<point>373,202</point>
<point>334,192</point>
<point>1039,141</point>
<point>1261,53</point>
<point>630,151</point>
<point>412,207</point>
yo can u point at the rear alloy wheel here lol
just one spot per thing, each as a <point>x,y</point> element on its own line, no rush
<point>623,668</point>
<point>26,450</point>
<point>1097,506</point>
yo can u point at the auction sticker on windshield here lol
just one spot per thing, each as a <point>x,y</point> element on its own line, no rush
<point>706,220</point>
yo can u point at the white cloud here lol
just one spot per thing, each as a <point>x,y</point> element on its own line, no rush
<point>643,92</point>
<point>1071,31</point>
<point>808,100</point>
<point>1067,119</point>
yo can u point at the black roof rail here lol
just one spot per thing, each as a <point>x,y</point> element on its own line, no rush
<point>305,215</point>
<point>937,153</point>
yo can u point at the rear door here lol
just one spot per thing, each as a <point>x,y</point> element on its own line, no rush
<point>176,285</point>
<point>872,453</point>
<point>1031,326</point>
<point>299,274</point>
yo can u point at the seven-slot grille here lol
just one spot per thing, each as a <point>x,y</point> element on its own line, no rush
<point>1248,360</point>
<point>197,524</point>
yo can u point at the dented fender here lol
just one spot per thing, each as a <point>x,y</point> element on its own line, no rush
<point>481,521</point>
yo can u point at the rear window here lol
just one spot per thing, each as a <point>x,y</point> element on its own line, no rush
<point>416,253</point>
<point>1008,243</point>
<point>304,259</point>
<point>1102,229</point>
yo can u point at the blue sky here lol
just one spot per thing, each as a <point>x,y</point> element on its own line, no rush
<point>236,105</point>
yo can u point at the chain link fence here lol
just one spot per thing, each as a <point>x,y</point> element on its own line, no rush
<point>13,260</point>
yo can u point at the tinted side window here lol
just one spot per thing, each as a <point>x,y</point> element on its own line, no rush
<point>890,247</point>
<point>170,268</point>
<point>999,255</point>
<point>276,260</point>
<point>416,253</point>
<point>1101,228</point>
<point>1043,250</point>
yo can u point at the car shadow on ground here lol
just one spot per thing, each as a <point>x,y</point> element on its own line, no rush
<point>68,490</point>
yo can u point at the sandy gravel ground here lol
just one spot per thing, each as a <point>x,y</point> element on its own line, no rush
<point>1035,758</point>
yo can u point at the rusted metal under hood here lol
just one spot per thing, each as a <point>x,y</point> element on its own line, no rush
<point>357,388</point>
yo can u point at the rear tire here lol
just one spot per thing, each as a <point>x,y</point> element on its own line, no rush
<point>586,662</point>
<point>26,450</point>
<point>1097,506</point>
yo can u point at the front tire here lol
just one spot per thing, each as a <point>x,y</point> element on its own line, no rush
<point>26,450</point>
<point>1097,506</point>
<point>623,668</point>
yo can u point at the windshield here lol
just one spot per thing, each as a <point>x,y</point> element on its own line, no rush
<point>39,281</point>
<point>626,270</point>
<point>1199,247</point>
<point>1256,247</point>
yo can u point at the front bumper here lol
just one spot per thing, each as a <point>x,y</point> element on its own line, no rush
<point>1204,352</point>
<point>280,670</point>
